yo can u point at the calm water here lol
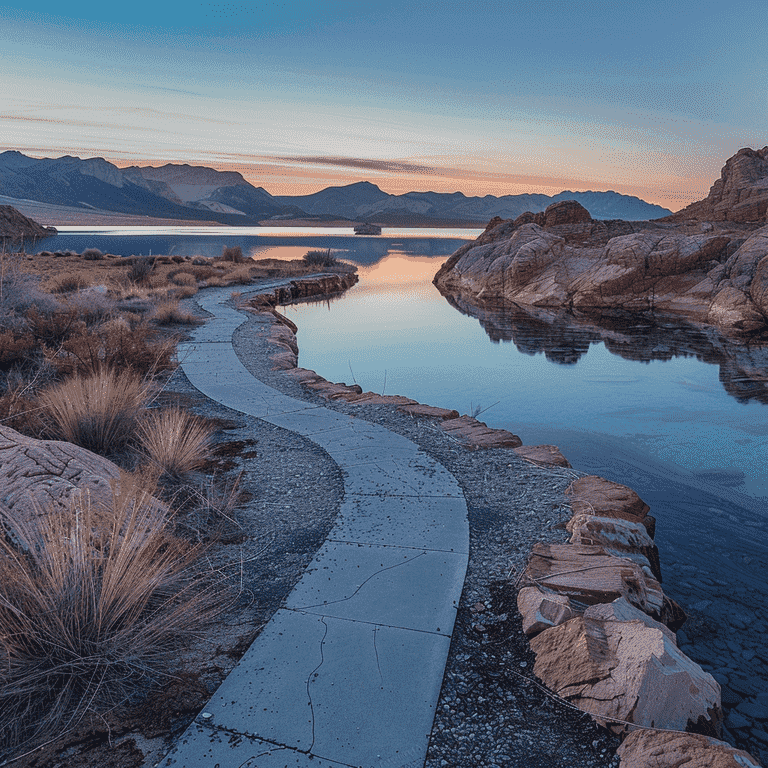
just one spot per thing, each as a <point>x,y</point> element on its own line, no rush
<point>678,414</point>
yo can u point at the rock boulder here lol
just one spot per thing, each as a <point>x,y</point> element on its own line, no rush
<point>641,749</point>
<point>621,666</point>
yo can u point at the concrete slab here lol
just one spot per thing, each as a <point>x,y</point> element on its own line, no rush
<point>349,693</point>
<point>392,586</point>
<point>205,747</point>
<point>419,476</point>
<point>312,422</point>
<point>424,523</point>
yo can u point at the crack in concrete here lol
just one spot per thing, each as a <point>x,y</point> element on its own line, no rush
<point>376,573</point>
<point>376,651</point>
<point>312,674</point>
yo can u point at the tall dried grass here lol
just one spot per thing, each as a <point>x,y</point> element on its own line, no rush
<point>93,605</point>
<point>175,442</point>
<point>97,411</point>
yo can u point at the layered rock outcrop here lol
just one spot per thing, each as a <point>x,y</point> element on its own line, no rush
<point>15,227</point>
<point>713,270</point>
<point>740,194</point>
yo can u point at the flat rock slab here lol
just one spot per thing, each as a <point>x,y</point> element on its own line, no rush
<point>545,455</point>
<point>476,434</point>
<point>590,575</point>
<point>349,672</point>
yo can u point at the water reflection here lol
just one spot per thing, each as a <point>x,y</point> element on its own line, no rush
<point>564,338</point>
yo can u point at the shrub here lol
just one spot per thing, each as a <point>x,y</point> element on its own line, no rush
<point>320,258</point>
<point>93,607</point>
<point>233,253</point>
<point>239,276</point>
<point>98,411</point>
<point>140,269</point>
<point>16,347</point>
<point>92,254</point>
<point>72,281</point>
<point>175,442</point>
<point>167,313</point>
<point>117,346</point>
<point>182,278</point>
<point>20,290</point>
<point>185,291</point>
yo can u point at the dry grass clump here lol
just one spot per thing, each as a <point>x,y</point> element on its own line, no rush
<point>92,254</point>
<point>168,312</point>
<point>175,443</point>
<point>233,253</point>
<point>321,258</point>
<point>140,269</point>
<point>98,411</point>
<point>182,278</point>
<point>93,605</point>
<point>185,291</point>
<point>68,282</point>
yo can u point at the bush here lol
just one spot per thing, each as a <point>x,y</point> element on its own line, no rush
<point>233,253</point>
<point>169,313</point>
<point>92,254</point>
<point>20,290</point>
<point>175,442</point>
<point>117,346</point>
<point>99,411</point>
<point>72,281</point>
<point>320,258</point>
<point>182,278</point>
<point>140,269</point>
<point>94,606</point>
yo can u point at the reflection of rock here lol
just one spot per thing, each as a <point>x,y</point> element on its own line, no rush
<point>564,337</point>
<point>642,748</point>
<point>709,271</point>
<point>618,664</point>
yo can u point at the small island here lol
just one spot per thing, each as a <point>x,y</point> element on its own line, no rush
<point>367,229</point>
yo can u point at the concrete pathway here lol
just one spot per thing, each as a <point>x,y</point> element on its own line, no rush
<point>348,672</point>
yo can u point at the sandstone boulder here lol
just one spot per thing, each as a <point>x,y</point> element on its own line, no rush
<point>541,609</point>
<point>621,666</point>
<point>594,495</point>
<point>590,575</point>
<point>623,538</point>
<point>641,749</point>
<point>36,475</point>
<point>545,455</point>
<point>476,434</point>
<point>417,409</point>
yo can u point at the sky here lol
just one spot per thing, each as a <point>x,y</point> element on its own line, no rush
<point>645,98</point>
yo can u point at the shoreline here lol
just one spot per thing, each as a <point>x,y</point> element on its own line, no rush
<point>337,393</point>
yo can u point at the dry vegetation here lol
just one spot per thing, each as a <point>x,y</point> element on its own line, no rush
<point>93,603</point>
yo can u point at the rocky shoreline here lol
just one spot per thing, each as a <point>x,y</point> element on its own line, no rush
<point>615,601</point>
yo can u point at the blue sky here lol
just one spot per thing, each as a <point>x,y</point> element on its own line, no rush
<point>646,98</point>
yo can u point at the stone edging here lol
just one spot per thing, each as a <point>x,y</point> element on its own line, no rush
<point>595,602</point>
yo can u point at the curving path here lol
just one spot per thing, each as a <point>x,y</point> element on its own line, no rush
<point>348,672</point>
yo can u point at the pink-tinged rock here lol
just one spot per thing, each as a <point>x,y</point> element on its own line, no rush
<point>593,495</point>
<point>418,409</point>
<point>546,455</point>
<point>304,375</point>
<point>590,575</point>
<point>623,538</point>
<point>476,434</point>
<point>284,360</point>
<point>643,749</point>
<point>621,666</point>
<point>282,336</point>
<point>740,194</point>
<point>372,398</point>
<point>540,610</point>
<point>37,475</point>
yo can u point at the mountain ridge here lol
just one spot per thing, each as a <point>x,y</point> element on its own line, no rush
<point>196,192</point>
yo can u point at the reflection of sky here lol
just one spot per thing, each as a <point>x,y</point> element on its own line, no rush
<point>503,98</point>
<point>395,327</point>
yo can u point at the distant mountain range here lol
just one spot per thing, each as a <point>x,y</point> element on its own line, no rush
<point>198,193</point>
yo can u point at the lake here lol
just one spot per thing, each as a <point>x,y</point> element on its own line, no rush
<point>674,411</point>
